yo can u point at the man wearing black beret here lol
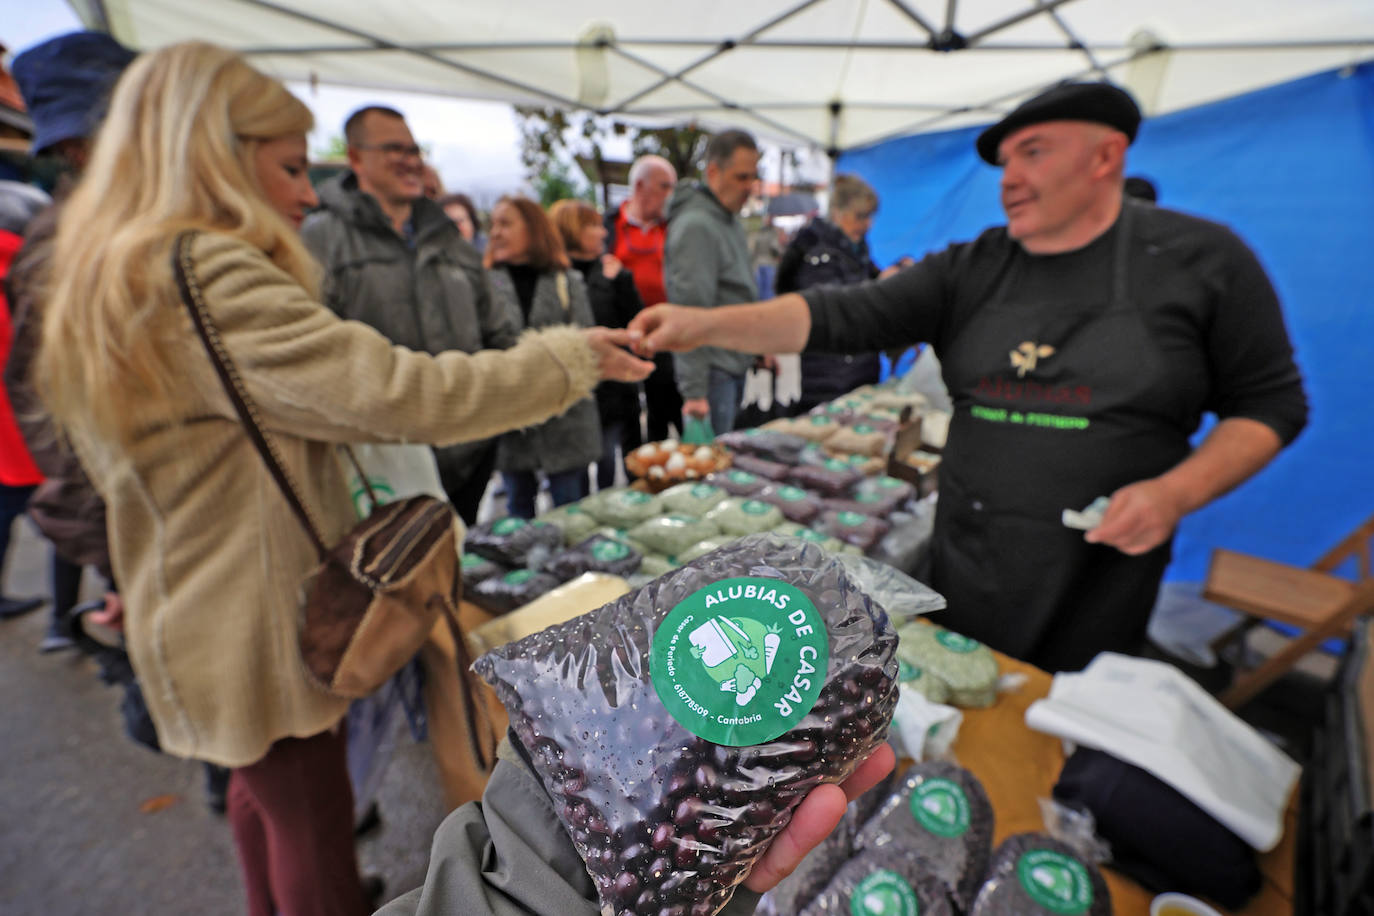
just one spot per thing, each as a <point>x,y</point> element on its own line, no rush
<point>1081,343</point>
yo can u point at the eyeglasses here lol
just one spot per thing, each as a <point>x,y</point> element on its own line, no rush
<point>394,150</point>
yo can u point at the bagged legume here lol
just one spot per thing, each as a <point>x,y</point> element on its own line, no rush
<point>966,665</point>
<point>694,499</point>
<point>672,534</point>
<point>744,516</point>
<point>1033,874</point>
<point>509,541</point>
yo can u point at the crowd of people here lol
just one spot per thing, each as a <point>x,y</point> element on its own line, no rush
<point>380,309</point>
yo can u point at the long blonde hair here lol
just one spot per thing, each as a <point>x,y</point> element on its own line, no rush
<point>175,152</point>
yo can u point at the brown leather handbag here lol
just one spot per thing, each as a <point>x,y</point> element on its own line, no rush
<point>376,594</point>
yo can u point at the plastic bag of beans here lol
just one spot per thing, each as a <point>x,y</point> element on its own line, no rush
<point>863,531</point>
<point>771,470</point>
<point>597,553</point>
<point>477,568</point>
<point>656,564</point>
<point>745,516</point>
<point>835,478</point>
<point>966,665</point>
<point>941,814</point>
<point>575,522</point>
<point>768,444</point>
<point>887,492</point>
<point>814,428</point>
<point>811,535</point>
<point>882,882</point>
<point>796,504</point>
<point>694,499</point>
<point>737,482</point>
<point>509,541</point>
<point>859,439</point>
<point>672,534</point>
<point>707,546</point>
<point>502,594</point>
<point>1033,874</point>
<point>622,508</point>
<point>677,728</point>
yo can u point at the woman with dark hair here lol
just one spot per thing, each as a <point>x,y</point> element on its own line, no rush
<point>531,274</point>
<point>460,209</point>
<point>614,300</point>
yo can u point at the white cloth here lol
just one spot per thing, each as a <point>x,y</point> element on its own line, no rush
<point>1150,714</point>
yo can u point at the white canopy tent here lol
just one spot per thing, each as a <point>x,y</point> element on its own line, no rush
<point>835,74</point>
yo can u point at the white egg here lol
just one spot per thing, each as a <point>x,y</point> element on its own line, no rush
<point>677,462</point>
<point>657,473</point>
<point>668,445</point>
<point>647,452</point>
<point>704,453</point>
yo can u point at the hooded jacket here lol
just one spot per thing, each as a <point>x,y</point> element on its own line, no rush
<point>430,297</point>
<point>707,264</point>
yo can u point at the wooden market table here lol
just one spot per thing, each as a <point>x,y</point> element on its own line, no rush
<point>1018,766</point>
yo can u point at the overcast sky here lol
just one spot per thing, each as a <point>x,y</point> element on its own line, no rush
<point>474,145</point>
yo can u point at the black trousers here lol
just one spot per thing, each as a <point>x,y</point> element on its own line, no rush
<point>662,400</point>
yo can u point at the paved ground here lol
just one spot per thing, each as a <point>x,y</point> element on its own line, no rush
<point>91,823</point>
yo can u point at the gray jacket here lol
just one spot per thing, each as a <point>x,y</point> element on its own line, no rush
<point>431,297</point>
<point>509,856</point>
<point>573,439</point>
<point>706,264</point>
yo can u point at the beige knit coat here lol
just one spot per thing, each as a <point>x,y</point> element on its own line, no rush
<point>208,556</point>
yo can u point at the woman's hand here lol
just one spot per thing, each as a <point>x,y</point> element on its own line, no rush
<point>814,819</point>
<point>611,266</point>
<point>617,365</point>
<point>672,328</point>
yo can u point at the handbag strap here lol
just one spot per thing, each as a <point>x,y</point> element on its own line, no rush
<point>184,271</point>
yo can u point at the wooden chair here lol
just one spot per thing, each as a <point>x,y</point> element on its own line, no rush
<point>1316,601</point>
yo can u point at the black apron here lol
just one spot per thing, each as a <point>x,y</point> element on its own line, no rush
<point>1056,403</point>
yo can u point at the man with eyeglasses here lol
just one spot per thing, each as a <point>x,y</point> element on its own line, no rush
<point>394,260</point>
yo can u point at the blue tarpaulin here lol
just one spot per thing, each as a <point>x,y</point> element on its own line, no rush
<point>1291,170</point>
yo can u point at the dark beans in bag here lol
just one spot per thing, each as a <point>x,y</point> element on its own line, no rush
<point>796,504</point>
<point>737,482</point>
<point>517,588</point>
<point>677,728</point>
<point>770,444</point>
<point>835,478</point>
<point>882,882</point>
<point>510,540</point>
<point>863,531</point>
<point>772,470</point>
<point>1033,874</point>
<point>597,553</point>
<point>942,814</point>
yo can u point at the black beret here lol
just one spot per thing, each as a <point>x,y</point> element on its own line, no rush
<point>1101,103</point>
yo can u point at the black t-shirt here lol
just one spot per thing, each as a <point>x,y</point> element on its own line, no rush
<point>1204,298</point>
<point>525,278</point>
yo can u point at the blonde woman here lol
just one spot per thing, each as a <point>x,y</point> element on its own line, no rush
<point>209,558</point>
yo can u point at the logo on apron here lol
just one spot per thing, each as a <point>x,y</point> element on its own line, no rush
<point>1025,357</point>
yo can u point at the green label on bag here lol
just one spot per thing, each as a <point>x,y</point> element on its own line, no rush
<point>955,642</point>
<point>632,497</point>
<point>1057,882</point>
<point>704,491</point>
<point>907,671</point>
<point>890,483</point>
<point>851,519</point>
<point>755,507</point>
<point>791,494</point>
<point>518,576</point>
<point>835,464</point>
<point>867,496</point>
<point>821,421</point>
<point>883,893</point>
<point>743,477</point>
<point>863,429</point>
<point>507,525</point>
<point>742,661</point>
<point>940,806</point>
<point>815,537</point>
<point>856,460</point>
<point>609,551</point>
<point>679,521</point>
<point>472,559</point>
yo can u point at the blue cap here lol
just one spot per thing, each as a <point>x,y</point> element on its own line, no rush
<point>66,83</point>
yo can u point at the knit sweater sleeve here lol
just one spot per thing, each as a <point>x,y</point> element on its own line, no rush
<point>316,376</point>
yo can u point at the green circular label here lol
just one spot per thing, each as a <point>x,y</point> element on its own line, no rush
<point>867,496</point>
<point>814,536</point>
<point>821,421</point>
<point>907,671</point>
<point>573,509</point>
<point>508,524</point>
<point>755,507</point>
<point>518,576</point>
<point>835,464</point>
<point>851,519</point>
<point>863,429</point>
<point>883,893</point>
<point>742,477</point>
<point>835,407</point>
<point>890,483</point>
<point>703,491</point>
<point>791,494</point>
<point>753,432</point>
<point>472,559</point>
<point>856,460</point>
<point>632,497</point>
<point>955,642</point>
<point>742,661</point>
<point>609,551</point>
<point>1057,882</point>
<point>940,806</point>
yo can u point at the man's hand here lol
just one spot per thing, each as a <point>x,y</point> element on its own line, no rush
<point>1140,517</point>
<point>616,364</point>
<point>611,266</point>
<point>814,819</point>
<point>671,328</point>
<point>696,407</point>
<point>767,362</point>
<point>112,615</point>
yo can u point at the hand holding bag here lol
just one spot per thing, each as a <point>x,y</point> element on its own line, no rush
<point>379,591</point>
